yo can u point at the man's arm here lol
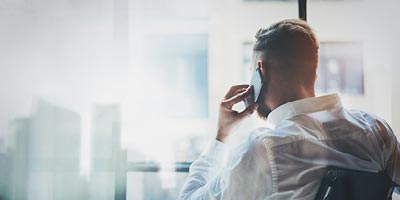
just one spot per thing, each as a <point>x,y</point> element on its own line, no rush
<point>206,180</point>
<point>248,176</point>
<point>202,171</point>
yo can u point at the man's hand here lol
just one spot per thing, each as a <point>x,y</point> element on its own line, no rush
<point>230,119</point>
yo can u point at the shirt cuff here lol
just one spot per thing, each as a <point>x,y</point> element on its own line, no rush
<point>216,151</point>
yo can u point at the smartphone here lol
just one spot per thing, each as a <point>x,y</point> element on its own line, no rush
<point>257,83</point>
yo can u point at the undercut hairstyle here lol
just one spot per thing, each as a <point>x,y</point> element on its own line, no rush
<point>288,45</point>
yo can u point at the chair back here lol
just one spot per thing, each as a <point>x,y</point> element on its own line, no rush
<point>345,184</point>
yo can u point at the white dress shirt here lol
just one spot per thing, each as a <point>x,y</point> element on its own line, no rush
<point>287,161</point>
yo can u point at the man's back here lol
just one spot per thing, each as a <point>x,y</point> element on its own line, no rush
<point>305,142</point>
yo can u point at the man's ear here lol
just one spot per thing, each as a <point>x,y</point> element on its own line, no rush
<point>263,68</point>
<point>259,64</point>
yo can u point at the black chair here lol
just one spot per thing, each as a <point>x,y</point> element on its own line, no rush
<point>345,184</point>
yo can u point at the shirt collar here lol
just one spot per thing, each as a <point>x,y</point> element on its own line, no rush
<point>303,106</point>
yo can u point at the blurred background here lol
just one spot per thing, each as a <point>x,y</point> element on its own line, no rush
<point>112,99</point>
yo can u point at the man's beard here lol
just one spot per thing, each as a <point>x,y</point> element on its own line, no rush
<point>263,110</point>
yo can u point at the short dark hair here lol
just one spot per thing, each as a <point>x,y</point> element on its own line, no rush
<point>289,43</point>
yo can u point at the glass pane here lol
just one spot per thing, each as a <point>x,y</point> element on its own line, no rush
<point>154,186</point>
<point>178,65</point>
<point>247,60</point>
<point>176,9</point>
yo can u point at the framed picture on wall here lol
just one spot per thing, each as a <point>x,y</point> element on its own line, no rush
<point>341,68</point>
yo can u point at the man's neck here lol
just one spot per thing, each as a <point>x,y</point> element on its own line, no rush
<point>280,97</point>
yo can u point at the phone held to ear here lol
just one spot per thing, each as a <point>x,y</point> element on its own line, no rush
<point>257,83</point>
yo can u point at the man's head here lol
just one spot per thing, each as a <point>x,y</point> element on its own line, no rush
<point>287,54</point>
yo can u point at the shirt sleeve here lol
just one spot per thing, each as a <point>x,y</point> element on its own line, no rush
<point>245,176</point>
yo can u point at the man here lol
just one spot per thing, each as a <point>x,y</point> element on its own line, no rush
<point>308,133</point>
